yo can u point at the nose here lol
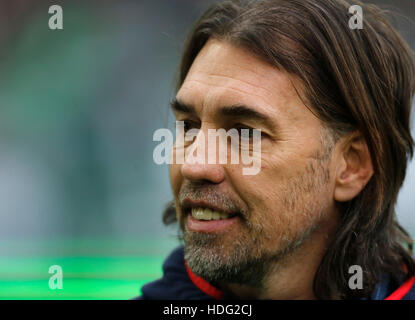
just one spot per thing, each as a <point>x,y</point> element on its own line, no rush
<point>198,169</point>
<point>203,172</point>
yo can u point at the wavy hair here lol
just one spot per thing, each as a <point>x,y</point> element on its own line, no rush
<point>360,79</point>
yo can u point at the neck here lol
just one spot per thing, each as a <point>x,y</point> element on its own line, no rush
<point>292,277</point>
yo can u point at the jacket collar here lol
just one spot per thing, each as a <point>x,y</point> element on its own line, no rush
<point>179,282</point>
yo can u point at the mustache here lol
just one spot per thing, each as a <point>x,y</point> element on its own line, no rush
<point>210,194</point>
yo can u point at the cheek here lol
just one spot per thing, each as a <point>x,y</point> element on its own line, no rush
<point>175,178</point>
<point>266,192</point>
<point>258,192</point>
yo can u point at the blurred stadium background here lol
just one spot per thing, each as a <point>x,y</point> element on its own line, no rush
<point>78,108</point>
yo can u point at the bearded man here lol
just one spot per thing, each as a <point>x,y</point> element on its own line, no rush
<point>333,104</point>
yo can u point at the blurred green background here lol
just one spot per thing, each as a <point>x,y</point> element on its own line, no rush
<point>78,109</point>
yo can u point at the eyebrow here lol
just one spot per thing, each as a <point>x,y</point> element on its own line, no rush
<point>237,111</point>
<point>178,106</point>
<point>241,111</point>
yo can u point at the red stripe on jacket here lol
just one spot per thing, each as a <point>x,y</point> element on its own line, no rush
<point>215,293</point>
<point>203,285</point>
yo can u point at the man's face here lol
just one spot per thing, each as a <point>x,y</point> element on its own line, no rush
<point>266,216</point>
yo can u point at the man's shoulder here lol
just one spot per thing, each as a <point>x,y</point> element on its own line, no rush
<point>175,284</point>
<point>394,288</point>
<point>179,283</point>
<point>406,290</point>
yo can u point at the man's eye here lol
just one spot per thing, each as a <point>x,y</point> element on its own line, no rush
<point>244,131</point>
<point>188,125</point>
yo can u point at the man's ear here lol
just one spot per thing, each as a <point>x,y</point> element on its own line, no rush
<point>354,167</point>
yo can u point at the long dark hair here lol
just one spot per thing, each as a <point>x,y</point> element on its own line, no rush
<point>353,79</point>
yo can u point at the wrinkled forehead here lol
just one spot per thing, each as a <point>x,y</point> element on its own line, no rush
<point>223,74</point>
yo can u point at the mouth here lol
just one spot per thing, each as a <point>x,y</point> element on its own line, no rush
<point>207,214</point>
<point>204,217</point>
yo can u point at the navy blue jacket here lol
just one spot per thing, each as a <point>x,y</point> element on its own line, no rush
<point>179,283</point>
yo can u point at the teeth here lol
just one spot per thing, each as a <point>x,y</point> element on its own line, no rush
<point>224,215</point>
<point>208,214</point>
